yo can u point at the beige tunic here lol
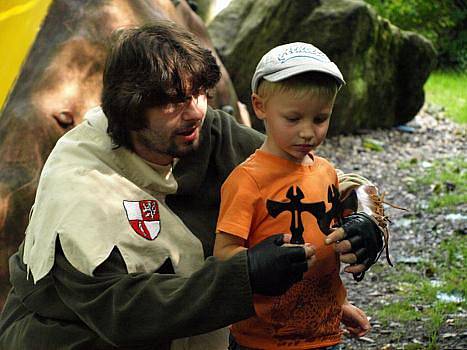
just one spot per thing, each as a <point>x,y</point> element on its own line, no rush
<point>99,195</point>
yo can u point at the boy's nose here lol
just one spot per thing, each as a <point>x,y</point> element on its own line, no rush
<point>307,134</point>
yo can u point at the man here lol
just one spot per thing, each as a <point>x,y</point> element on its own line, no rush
<point>60,80</point>
<point>106,262</point>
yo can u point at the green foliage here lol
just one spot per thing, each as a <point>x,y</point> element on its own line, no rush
<point>448,89</point>
<point>441,21</point>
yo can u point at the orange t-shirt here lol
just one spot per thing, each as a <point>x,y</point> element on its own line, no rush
<point>308,315</point>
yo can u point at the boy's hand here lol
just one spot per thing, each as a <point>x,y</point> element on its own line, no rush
<point>359,241</point>
<point>274,266</point>
<point>355,320</point>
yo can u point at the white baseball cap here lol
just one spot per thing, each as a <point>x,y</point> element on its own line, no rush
<point>288,60</point>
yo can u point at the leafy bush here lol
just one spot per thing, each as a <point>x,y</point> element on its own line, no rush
<point>444,22</point>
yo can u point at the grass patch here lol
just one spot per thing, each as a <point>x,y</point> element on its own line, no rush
<point>437,319</point>
<point>436,289</point>
<point>448,89</point>
<point>398,312</point>
<point>407,164</point>
<point>445,180</point>
<point>420,297</point>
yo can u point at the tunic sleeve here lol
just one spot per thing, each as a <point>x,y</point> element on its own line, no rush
<point>140,309</point>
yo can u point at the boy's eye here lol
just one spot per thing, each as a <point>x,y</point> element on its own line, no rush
<point>292,119</point>
<point>321,119</point>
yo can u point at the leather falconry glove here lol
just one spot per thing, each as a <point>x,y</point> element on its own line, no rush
<point>365,238</point>
<point>274,269</point>
<point>368,228</point>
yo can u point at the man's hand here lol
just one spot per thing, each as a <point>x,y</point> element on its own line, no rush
<point>359,241</point>
<point>274,266</point>
<point>355,320</point>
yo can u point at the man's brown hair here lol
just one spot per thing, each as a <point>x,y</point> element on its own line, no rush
<point>151,66</point>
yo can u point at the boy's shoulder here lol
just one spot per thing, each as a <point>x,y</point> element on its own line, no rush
<point>243,176</point>
<point>323,161</point>
<point>248,166</point>
<point>257,164</point>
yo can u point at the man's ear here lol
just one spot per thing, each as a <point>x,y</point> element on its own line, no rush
<point>259,106</point>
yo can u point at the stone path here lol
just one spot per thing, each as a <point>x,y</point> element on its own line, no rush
<point>429,137</point>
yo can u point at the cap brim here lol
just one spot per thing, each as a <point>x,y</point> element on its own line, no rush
<point>291,71</point>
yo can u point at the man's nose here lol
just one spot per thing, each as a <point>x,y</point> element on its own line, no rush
<point>194,110</point>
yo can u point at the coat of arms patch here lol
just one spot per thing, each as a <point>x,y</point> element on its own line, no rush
<point>144,217</point>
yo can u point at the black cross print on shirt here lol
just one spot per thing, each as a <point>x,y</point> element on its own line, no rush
<point>297,207</point>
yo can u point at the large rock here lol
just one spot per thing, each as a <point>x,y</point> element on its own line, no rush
<point>385,67</point>
<point>208,9</point>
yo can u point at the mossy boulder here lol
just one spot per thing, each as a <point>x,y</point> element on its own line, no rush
<point>385,67</point>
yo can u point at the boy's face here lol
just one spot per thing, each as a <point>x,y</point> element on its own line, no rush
<point>294,126</point>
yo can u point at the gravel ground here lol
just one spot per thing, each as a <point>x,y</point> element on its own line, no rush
<point>413,237</point>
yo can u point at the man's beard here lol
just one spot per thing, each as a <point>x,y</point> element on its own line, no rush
<point>182,151</point>
<point>152,142</point>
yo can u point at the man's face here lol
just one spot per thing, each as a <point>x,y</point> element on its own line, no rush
<point>172,130</point>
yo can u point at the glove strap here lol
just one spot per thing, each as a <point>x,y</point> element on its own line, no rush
<point>358,276</point>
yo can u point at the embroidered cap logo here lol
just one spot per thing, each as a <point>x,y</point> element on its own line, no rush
<point>302,51</point>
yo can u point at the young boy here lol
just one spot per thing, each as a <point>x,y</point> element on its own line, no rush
<point>284,187</point>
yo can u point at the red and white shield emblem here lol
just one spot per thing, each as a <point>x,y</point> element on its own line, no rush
<point>144,217</point>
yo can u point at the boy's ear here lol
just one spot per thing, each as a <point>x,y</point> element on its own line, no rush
<point>259,106</point>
